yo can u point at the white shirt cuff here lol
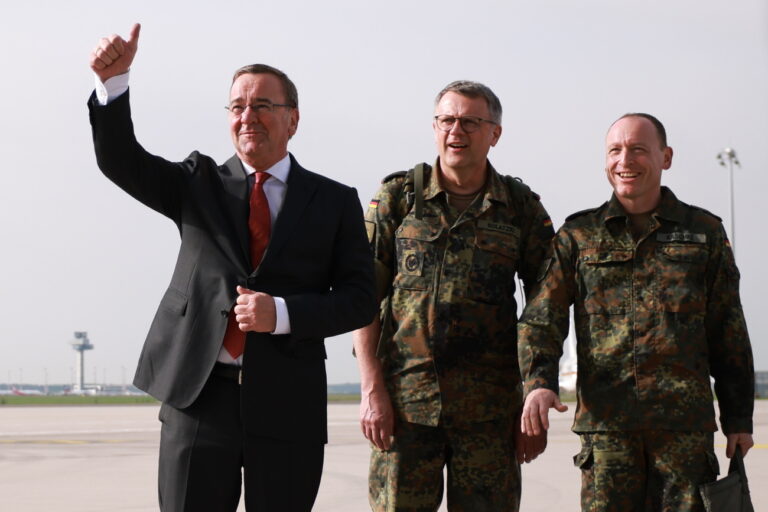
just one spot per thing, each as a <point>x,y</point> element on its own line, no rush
<point>282,322</point>
<point>112,88</point>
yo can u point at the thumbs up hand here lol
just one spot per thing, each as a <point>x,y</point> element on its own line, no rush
<point>113,55</point>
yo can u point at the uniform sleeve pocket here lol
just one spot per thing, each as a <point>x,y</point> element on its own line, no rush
<point>544,269</point>
<point>370,229</point>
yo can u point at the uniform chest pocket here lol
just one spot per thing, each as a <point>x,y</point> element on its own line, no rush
<point>685,253</point>
<point>682,277</point>
<point>416,254</point>
<point>494,263</point>
<point>606,274</point>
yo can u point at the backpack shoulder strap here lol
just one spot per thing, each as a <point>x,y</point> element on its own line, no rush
<point>517,189</point>
<point>418,189</point>
<point>411,191</point>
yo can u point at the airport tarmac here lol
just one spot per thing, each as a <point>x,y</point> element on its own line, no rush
<point>104,459</point>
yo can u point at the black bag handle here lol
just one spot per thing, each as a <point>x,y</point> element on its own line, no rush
<point>737,466</point>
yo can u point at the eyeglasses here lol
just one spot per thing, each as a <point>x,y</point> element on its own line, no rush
<point>468,123</point>
<point>265,107</point>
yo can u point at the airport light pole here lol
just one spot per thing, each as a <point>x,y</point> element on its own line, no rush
<point>728,157</point>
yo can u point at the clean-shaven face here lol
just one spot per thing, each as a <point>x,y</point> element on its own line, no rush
<point>634,160</point>
<point>459,150</point>
<point>261,139</point>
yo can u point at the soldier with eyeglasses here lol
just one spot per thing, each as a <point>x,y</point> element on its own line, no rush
<point>439,373</point>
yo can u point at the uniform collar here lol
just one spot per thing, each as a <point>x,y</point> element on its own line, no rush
<point>495,189</point>
<point>669,208</point>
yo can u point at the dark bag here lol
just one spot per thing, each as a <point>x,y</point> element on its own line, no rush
<point>729,494</point>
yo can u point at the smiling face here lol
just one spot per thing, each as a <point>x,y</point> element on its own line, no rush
<point>634,160</point>
<point>261,139</point>
<point>460,152</point>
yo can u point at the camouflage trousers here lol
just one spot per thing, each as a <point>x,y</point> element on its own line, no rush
<point>483,473</point>
<point>645,471</point>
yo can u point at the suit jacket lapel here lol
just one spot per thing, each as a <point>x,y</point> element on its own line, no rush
<point>301,187</point>
<point>236,203</point>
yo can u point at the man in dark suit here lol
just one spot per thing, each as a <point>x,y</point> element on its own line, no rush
<point>273,259</point>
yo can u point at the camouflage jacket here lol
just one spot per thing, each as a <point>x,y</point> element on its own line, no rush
<point>448,282</point>
<point>654,319</point>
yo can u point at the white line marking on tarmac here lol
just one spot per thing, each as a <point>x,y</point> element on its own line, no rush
<point>32,433</point>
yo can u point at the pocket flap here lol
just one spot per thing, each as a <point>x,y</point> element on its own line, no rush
<point>498,243</point>
<point>583,459</point>
<point>416,229</point>
<point>174,301</point>
<point>685,252</point>
<point>603,256</point>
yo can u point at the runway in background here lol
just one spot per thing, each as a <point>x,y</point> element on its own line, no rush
<point>104,458</point>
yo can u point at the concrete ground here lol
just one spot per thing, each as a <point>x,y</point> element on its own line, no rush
<point>104,459</point>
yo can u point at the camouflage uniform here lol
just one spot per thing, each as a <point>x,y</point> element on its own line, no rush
<point>654,319</point>
<point>450,359</point>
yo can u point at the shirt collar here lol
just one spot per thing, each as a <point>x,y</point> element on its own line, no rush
<point>279,170</point>
<point>669,207</point>
<point>497,190</point>
<point>494,187</point>
<point>433,185</point>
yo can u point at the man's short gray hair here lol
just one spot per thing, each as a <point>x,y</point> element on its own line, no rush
<point>474,90</point>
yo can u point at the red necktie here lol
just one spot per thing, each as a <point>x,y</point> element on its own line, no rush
<point>260,227</point>
<point>259,220</point>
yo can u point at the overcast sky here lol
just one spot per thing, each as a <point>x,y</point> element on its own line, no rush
<point>79,254</point>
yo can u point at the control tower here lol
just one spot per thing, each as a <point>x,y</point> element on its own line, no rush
<point>81,344</point>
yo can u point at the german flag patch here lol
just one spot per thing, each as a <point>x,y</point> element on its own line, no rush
<point>548,223</point>
<point>373,204</point>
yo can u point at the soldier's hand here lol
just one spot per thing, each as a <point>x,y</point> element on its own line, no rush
<point>528,447</point>
<point>377,419</point>
<point>255,311</point>
<point>743,440</point>
<point>535,417</point>
<point>113,55</point>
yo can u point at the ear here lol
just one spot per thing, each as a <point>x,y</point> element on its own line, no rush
<point>294,121</point>
<point>496,134</point>
<point>667,158</point>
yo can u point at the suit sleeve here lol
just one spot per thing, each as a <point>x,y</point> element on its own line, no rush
<point>150,179</point>
<point>349,304</point>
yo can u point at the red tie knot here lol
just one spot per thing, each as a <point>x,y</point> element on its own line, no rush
<point>261,177</point>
